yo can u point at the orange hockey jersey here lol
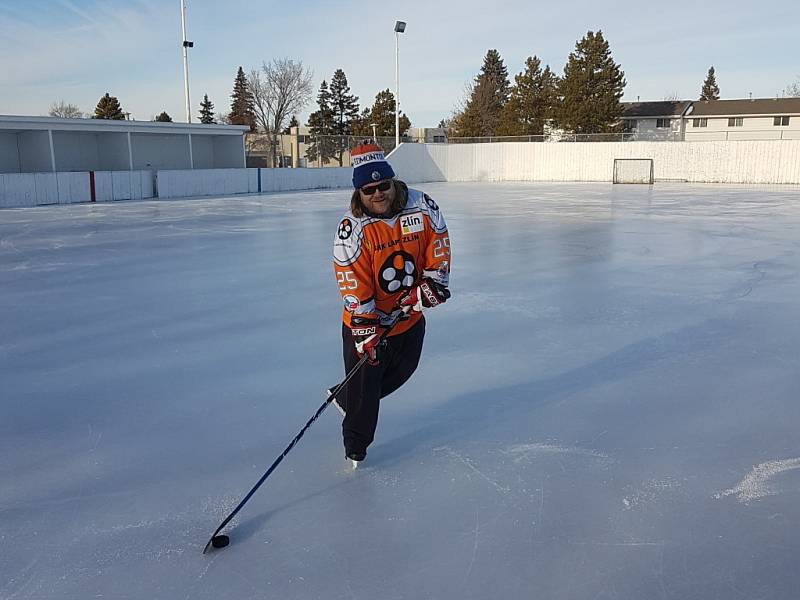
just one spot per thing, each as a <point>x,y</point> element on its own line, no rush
<point>378,260</point>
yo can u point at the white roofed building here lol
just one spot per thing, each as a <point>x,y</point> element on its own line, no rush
<point>48,144</point>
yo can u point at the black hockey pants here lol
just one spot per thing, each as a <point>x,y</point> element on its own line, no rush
<point>398,360</point>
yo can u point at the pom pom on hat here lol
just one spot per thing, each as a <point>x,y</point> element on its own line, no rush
<point>369,164</point>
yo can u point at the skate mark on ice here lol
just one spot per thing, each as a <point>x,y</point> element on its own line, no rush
<point>532,451</point>
<point>468,463</point>
<point>651,492</point>
<point>474,546</point>
<point>757,483</point>
<point>22,581</point>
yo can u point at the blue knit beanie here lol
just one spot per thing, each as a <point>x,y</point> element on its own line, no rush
<point>369,164</point>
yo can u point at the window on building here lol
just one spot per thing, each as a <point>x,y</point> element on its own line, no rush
<point>735,121</point>
<point>439,139</point>
<point>663,123</point>
<point>780,121</point>
<point>699,122</point>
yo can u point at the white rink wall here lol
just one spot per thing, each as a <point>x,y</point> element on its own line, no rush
<point>759,162</point>
<point>111,186</point>
<point>417,163</point>
<point>766,162</point>
<point>206,182</point>
<point>225,182</point>
<point>36,189</point>
<point>19,190</point>
<point>287,180</point>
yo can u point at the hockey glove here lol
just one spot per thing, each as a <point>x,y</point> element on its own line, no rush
<point>426,295</point>
<point>367,337</point>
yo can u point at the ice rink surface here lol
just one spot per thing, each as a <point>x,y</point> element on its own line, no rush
<point>608,407</point>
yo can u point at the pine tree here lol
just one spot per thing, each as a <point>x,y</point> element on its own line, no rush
<point>591,88</point>
<point>242,102</point>
<point>320,124</point>
<point>108,108</point>
<point>163,118</point>
<point>710,89</point>
<point>207,111</point>
<point>488,96</point>
<point>383,115</point>
<point>361,124</point>
<point>531,101</point>
<point>292,123</point>
<point>344,109</point>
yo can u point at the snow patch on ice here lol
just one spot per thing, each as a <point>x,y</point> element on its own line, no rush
<point>757,483</point>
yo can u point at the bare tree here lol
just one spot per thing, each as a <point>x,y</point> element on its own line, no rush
<point>65,111</point>
<point>672,97</point>
<point>280,89</point>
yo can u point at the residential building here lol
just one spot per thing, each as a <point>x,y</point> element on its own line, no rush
<point>647,121</point>
<point>426,135</point>
<point>756,119</point>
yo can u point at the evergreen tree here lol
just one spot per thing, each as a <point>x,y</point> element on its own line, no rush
<point>591,88</point>
<point>361,124</point>
<point>108,108</point>
<point>163,118</point>
<point>320,125</point>
<point>242,102</point>
<point>344,109</point>
<point>382,114</point>
<point>207,111</point>
<point>487,97</point>
<point>531,101</point>
<point>710,89</point>
<point>446,125</point>
<point>292,123</point>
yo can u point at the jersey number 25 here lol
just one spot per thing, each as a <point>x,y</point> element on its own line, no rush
<point>347,280</point>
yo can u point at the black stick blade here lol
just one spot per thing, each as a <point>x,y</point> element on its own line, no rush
<point>217,542</point>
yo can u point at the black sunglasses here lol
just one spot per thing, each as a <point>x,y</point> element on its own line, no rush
<point>382,186</point>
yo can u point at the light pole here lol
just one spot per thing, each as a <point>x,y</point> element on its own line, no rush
<point>374,132</point>
<point>399,27</point>
<point>186,45</point>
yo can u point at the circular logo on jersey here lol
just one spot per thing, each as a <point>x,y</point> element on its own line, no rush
<point>345,229</point>
<point>351,303</point>
<point>375,176</point>
<point>429,201</point>
<point>397,272</point>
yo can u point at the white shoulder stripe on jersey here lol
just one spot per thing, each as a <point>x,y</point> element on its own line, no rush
<point>435,218</point>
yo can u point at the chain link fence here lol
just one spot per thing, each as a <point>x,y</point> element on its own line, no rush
<point>573,137</point>
<point>307,150</point>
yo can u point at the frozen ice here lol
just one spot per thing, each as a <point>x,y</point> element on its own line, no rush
<point>606,408</point>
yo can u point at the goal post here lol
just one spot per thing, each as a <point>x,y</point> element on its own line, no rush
<point>633,170</point>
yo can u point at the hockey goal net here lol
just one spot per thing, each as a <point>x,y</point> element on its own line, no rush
<point>633,170</point>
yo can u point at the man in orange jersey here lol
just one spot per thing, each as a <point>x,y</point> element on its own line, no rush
<point>391,255</point>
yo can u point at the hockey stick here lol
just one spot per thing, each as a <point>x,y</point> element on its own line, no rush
<point>220,541</point>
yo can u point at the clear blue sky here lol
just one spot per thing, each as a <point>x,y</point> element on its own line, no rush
<point>76,50</point>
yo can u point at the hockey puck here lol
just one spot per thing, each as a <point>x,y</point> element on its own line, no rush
<point>220,541</point>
